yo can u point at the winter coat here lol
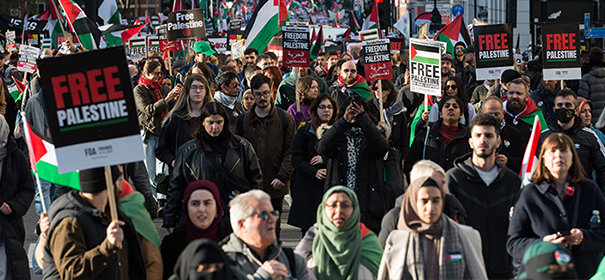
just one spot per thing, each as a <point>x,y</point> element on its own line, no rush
<point>545,100</point>
<point>469,79</point>
<point>488,210</point>
<point>540,211</point>
<point>479,94</point>
<point>193,163</point>
<point>588,146</point>
<point>512,146</point>
<point>273,145</point>
<point>17,192</point>
<point>306,190</point>
<point>172,136</point>
<point>370,177</point>
<point>592,87</point>
<point>431,147</point>
<point>149,108</point>
<point>286,92</point>
<point>524,121</point>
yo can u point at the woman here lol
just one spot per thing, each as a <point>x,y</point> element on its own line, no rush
<point>248,100</point>
<point>153,102</point>
<point>339,246</point>
<point>204,260</point>
<point>557,207</point>
<point>428,244</point>
<point>183,120</point>
<point>455,87</point>
<point>215,154</point>
<point>584,111</point>
<point>204,70</point>
<point>275,75</point>
<point>309,167</point>
<point>308,89</point>
<point>203,211</point>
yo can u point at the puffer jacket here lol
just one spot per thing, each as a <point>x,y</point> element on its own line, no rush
<point>592,87</point>
<point>192,164</point>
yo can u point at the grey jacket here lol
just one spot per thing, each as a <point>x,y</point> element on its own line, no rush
<point>592,87</point>
<point>248,261</point>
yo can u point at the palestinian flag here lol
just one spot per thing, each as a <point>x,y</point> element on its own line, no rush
<point>319,42</point>
<point>17,89</point>
<point>128,33</point>
<point>453,33</point>
<point>353,23</point>
<point>360,87</point>
<point>265,23</point>
<point>347,34</point>
<point>43,160</point>
<point>87,31</point>
<point>108,12</point>
<point>530,161</point>
<point>422,19</point>
<point>177,5</point>
<point>54,23</point>
<point>423,54</point>
<point>371,22</point>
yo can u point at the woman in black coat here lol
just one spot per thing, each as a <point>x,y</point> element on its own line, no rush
<point>307,180</point>
<point>16,195</point>
<point>557,207</point>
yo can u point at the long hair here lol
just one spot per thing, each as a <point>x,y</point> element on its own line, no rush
<point>558,141</point>
<point>276,80</point>
<point>304,85</point>
<point>387,85</point>
<point>206,72</point>
<point>315,120</point>
<point>214,108</point>
<point>460,86</point>
<point>183,101</point>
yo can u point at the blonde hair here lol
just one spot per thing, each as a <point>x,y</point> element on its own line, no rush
<point>425,168</point>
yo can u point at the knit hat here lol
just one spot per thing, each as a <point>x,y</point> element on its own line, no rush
<point>469,49</point>
<point>460,44</point>
<point>447,57</point>
<point>509,75</point>
<point>203,47</point>
<point>93,180</point>
<point>539,256</point>
<point>178,62</point>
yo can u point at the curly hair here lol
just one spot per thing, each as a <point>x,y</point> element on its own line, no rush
<point>304,85</point>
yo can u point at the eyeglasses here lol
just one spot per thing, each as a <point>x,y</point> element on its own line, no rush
<point>324,107</point>
<point>349,70</point>
<point>196,88</point>
<point>452,87</point>
<point>266,214</point>
<point>262,94</point>
<point>235,85</point>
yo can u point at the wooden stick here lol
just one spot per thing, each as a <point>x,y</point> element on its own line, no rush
<point>380,100</point>
<point>562,86</point>
<point>113,208</point>
<point>169,63</point>
<point>426,103</point>
<point>296,69</point>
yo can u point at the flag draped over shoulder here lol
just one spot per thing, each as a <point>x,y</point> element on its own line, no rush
<point>87,31</point>
<point>264,23</point>
<point>453,33</point>
<point>108,12</point>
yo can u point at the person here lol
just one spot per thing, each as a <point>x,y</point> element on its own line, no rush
<point>308,89</point>
<point>248,100</point>
<point>584,112</point>
<point>204,259</point>
<point>446,67</point>
<point>253,245</point>
<point>547,260</point>
<point>339,246</point>
<point>307,182</point>
<point>263,61</point>
<point>275,75</point>
<point>325,63</point>
<point>349,82</point>
<point>520,110</point>
<point>428,244</point>
<point>203,211</point>
<point>204,70</point>
<point>226,93</point>
<point>487,189</point>
<point>249,58</point>
<point>213,154</point>
<point>153,101</point>
<point>249,71</point>
<point>593,81</point>
<point>502,88</point>
<point>203,51</point>
<point>544,97</point>
<point>270,131</point>
<point>589,148</point>
<point>557,207</point>
<point>453,86</point>
<point>458,61</point>
<point>286,92</point>
<point>442,141</point>
<point>17,195</point>
<point>468,74</point>
<point>84,242</point>
<point>510,152</point>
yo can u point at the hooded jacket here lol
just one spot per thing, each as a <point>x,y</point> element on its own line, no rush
<point>524,121</point>
<point>487,209</point>
<point>592,87</point>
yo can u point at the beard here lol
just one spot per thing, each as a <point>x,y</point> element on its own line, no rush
<point>486,153</point>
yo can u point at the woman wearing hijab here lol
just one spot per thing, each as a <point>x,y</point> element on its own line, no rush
<point>203,259</point>
<point>339,246</point>
<point>203,210</point>
<point>428,244</point>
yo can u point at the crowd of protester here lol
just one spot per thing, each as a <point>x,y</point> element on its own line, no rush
<point>431,192</point>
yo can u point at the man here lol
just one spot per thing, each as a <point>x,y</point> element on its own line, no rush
<point>286,91</point>
<point>446,66</point>
<point>250,70</point>
<point>270,131</point>
<point>203,51</point>
<point>487,190</point>
<point>331,60</point>
<point>84,242</point>
<point>264,61</point>
<point>253,247</point>
<point>320,61</point>
<point>511,149</point>
<point>458,61</point>
<point>468,75</point>
<point>544,97</point>
<point>226,93</point>
<point>348,82</point>
<point>520,110</point>
<point>250,55</point>
<point>588,146</point>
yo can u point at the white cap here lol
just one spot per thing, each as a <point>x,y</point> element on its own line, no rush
<point>595,212</point>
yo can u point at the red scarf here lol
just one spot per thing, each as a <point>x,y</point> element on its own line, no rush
<point>156,86</point>
<point>194,232</point>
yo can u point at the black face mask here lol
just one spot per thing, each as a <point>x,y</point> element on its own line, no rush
<point>564,115</point>
<point>217,275</point>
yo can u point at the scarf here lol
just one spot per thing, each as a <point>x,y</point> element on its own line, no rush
<point>132,206</point>
<point>360,86</point>
<point>156,86</point>
<point>395,109</point>
<point>193,232</point>
<point>226,100</point>
<point>354,138</point>
<point>337,252</point>
<point>202,252</point>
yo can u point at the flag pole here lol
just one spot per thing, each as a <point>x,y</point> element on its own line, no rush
<point>58,16</point>
<point>380,101</point>
<point>296,69</point>
<point>28,142</point>
<point>111,197</point>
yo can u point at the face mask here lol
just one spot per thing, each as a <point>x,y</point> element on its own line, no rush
<point>217,275</point>
<point>564,115</point>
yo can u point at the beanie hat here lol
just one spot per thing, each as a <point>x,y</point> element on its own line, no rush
<point>93,180</point>
<point>178,62</point>
<point>447,57</point>
<point>539,256</point>
<point>509,75</point>
<point>460,44</point>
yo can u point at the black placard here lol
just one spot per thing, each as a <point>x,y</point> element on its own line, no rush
<point>187,24</point>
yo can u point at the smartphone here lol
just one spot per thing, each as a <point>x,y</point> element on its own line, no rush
<point>356,98</point>
<point>563,233</point>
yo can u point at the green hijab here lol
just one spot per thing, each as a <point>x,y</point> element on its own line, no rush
<point>337,252</point>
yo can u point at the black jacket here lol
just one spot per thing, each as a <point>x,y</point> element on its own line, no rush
<point>588,146</point>
<point>172,136</point>
<point>487,210</point>
<point>512,146</point>
<point>432,147</point>
<point>540,212</point>
<point>545,100</point>
<point>17,190</point>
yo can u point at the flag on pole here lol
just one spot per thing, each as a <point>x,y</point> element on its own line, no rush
<point>319,42</point>
<point>264,23</point>
<point>43,160</point>
<point>403,24</point>
<point>108,12</point>
<point>177,5</point>
<point>53,26</point>
<point>529,158</point>
<point>17,89</point>
<point>453,33</point>
<point>347,34</point>
<point>87,31</point>
<point>128,33</point>
<point>371,22</point>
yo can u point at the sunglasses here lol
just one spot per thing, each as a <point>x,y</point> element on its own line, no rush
<point>266,214</point>
<point>349,70</point>
<point>454,87</point>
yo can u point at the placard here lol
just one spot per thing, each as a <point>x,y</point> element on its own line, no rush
<point>91,111</point>
<point>561,52</point>
<point>187,24</point>
<point>397,44</point>
<point>493,50</point>
<point>238,47</point>
<point>153,44</point>
<point>10,41</point>
<point>377,60</point>
<point>27,58</point>
<point>219,44</point>
<point>425,66</point>
<point>296,47</point>
<point>137,47</point>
